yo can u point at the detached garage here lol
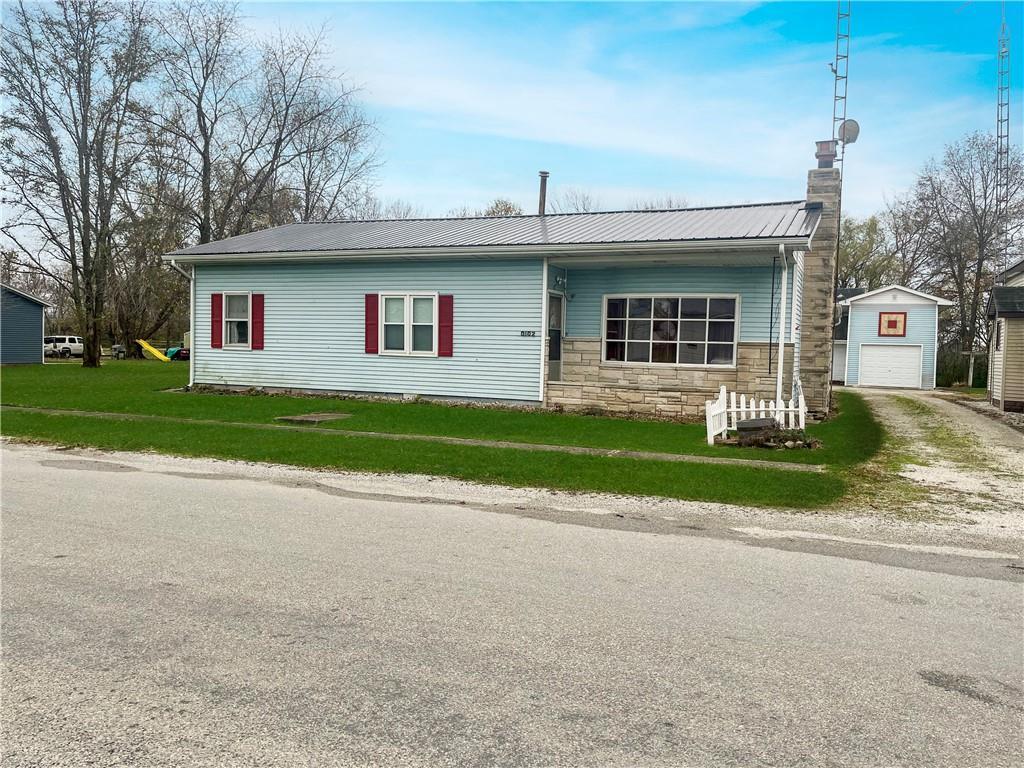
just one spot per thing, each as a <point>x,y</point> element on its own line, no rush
<point>21,326</point>
<point>892,337</point>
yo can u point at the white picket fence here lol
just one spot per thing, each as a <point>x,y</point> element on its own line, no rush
<point>722,413</point>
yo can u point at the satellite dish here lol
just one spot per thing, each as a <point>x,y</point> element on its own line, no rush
<point>849,130</point>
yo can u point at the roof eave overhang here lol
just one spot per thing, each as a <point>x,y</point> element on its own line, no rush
<point>939,301</point>
<point>814,231</point>
<point>993,311</point>
<point>34,299</point>
<point>769,245</point>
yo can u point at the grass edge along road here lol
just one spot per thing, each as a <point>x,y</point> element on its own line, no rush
<point>507,466</point>
<point>142,388</point>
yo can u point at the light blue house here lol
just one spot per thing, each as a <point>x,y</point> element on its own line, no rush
<point>892,338</point>
<point>641,311</point>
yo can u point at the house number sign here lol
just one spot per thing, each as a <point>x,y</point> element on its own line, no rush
<point>527,333</point>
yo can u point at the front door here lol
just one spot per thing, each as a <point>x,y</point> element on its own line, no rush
<point>554,337</point>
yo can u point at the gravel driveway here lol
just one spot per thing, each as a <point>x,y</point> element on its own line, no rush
<point>968,468</point>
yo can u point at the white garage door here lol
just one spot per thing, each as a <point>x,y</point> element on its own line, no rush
<point>890,365</point>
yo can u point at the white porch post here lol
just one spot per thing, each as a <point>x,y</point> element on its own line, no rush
<point>782,326</point>
<point>542,394</point>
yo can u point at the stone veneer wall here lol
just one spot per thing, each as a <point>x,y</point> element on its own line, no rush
<point>816,318</point>
<point>659,390</point>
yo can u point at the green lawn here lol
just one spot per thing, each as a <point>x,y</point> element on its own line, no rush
<point>139,388</point>
<point>974,393</point>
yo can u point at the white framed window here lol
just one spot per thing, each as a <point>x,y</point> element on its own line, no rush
<point>408,324</point>
<point>237,312</point>
<point>697,331</point>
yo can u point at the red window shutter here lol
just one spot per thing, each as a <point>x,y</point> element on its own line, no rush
<point>217,320</point>
<point>445,326</point>
<point>257,321</point>
<point>372,320</point>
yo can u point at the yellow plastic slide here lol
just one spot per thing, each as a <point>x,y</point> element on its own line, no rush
<point>150,351</point>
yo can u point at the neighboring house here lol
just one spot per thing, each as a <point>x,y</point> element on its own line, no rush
<point>1006,340</point>
<point>22,317</point>
<point>631,311</point>
<point>892,338</point>
<point>842,329</point>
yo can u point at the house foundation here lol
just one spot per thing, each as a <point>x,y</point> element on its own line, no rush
<point>587,383</point>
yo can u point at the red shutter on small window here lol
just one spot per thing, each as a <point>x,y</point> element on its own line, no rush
<point>217,320</point>
<point>257,321</point>
<point>372,330</point>
<point>446,326</point>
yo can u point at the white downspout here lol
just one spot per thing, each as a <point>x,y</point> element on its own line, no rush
<point>782,327</point>
<point>191,318</point>
<point>192,329</point>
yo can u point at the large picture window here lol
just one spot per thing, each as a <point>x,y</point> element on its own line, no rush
<point>408,324</point>
<point>670,330</point>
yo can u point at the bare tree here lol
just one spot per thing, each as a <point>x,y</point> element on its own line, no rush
<point>499,206</point>
<point>70,71</point>
<point>293,91</point>
<point>143,295</point>
<point>16,273</point>
<point>574,200</point>
<point>865,256</point>
<point>660,203</point>
<point>372,207</point>
<point>257,136</point>
<point>204,69</point>
<point>906,224</point>
<point>959,194</point>
<point>334,160</point>
<point>129,133</point>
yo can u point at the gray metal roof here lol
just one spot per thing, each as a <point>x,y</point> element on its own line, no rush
<point>767,221</point>
<point>28,296</point>
<point>1006,301</point>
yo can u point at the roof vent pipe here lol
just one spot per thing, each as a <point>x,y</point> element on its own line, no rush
<point>542,205</point>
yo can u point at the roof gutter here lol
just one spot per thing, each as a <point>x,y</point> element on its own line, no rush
<point>174,265</point>
<point>765,245</point>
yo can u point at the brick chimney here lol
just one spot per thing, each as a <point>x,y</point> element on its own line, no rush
<point>816,320</point>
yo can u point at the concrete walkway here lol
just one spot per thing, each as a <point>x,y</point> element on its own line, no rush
<point>573,449</point>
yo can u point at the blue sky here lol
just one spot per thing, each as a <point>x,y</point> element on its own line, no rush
<point>715,102</point>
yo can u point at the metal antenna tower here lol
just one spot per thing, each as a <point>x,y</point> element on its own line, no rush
<point>841,69</point>
<point>1003,139</point>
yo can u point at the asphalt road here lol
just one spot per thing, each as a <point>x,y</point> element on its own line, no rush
<point>203,618</point>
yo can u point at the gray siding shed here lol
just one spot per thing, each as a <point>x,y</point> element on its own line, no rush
<point>21,327</point>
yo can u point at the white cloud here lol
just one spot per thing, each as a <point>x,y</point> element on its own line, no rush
<point>751,125</point>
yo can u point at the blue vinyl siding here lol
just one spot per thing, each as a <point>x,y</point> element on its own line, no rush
<point>21,329</point>
<point>586,287</point>
<point>314,328</point>
<point>921,326</point>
